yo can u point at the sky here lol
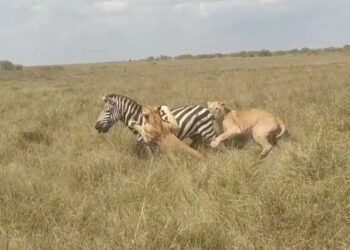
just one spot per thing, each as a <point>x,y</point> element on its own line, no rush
<point>40,32</point>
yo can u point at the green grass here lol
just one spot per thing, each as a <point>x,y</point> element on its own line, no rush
<point>63,186</point>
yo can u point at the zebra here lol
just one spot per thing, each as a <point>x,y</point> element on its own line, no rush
<point>194,121</point>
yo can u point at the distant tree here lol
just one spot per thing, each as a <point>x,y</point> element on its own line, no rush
<point>315,51</point>
<point>18,67</point>
<point>46,68</point>
<point>163,57</point>
<point>331,49</point>
<point>305,51</point>
<point>150,58</point>
<point>264,52</point>
<point>293,51</point>
<point>279,53</point>
<point>242,54</point>
<point>203,56</point>
<point>218,55</point>
<point>6,65</point>
<point>346,47</point>
<point>58,67</point>
<point>252,53</point>
<point>185,56</point>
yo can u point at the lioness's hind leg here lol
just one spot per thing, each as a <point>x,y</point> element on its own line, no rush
<point>265,145</point>
<point>262,140</point>
<point>173,143</point>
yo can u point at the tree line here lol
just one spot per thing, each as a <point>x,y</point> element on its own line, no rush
<point>257,53</point>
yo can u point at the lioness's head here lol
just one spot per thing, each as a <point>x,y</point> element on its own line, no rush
<point>218,109</point>
<point>152,116</point>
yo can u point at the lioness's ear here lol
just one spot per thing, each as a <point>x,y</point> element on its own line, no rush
<point>157,108</point>
<point>104,98</point>
<point>223,103</point>
<point>145,113</point>
<point>209,103</point>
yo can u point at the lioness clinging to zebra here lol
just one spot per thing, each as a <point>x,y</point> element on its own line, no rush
<point>193,121</point>
<point>156,130</point>
<point>261,124</point>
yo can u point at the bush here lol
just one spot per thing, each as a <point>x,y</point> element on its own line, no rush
<point>186,56</point>
<point>305,50</point>
<point>6,65</point>
<point>264,52</point>
<point>331,49</point>
<point>293,51</point>
<point>346,47</point>
<point>18,67</point>
<point>163,57</point>
<point>279,53</point>
<point>58,67</point>
<point>241,53</point>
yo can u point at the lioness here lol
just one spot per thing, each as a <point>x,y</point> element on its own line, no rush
<point>261,124</point>
<point>155,130</point>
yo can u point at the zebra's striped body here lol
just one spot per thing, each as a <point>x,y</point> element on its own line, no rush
<point>192,120</point>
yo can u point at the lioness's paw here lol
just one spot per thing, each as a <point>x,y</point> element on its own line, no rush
<point>215,143</point>
<point>165,108</point>
<point>132,123</point>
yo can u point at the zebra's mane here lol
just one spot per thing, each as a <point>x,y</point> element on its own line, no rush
<point>114,96</point>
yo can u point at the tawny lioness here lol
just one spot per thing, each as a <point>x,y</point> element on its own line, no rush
<point>155,130</point>
<point>261,124</point>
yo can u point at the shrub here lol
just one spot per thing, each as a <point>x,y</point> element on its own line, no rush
<point>346,47</point>
<point>186,56</point>
<point>305,50</point>
<point>293,51</point>
<point>264,52</point>
<point>18,67</point>
<point>6,65</point>
<point>163,57</point>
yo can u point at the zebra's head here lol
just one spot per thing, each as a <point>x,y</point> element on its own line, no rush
<point>109,116</point>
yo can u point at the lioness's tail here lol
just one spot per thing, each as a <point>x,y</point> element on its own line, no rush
<point>282,126</point>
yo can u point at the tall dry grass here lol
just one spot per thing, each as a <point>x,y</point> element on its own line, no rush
<point>63,186</point>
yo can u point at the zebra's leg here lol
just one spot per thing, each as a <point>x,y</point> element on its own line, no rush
<point>145,150</point>
<point>140,148</point>
<point>149,151</point>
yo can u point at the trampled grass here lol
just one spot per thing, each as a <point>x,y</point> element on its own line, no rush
<point>63,186</point>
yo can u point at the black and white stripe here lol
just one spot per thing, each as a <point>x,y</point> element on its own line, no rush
<point>193,120</point>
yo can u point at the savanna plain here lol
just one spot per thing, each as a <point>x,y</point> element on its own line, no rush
<point>64,186</point>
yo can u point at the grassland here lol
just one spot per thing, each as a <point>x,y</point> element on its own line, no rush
<point>63,186</point>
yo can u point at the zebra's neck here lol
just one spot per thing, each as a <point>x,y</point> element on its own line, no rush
<point>127,109</point>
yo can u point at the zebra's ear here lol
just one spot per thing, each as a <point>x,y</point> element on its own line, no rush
<point>104,98</point>
<point>110,100</point>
